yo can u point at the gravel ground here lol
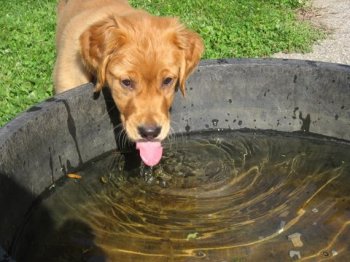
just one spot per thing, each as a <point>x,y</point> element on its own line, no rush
<point>334,15</point>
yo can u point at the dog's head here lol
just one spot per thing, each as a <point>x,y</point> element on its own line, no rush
<point>142,58</point>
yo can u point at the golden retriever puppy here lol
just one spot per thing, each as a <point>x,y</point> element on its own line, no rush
<point>142,58</point>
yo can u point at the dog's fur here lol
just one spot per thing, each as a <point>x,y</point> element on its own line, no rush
<point>142,58</point>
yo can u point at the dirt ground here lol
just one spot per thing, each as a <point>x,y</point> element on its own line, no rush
<point>334,16</point>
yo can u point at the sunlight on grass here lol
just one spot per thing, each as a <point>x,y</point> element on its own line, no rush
<point>240,28</point>
<point>27,54</point>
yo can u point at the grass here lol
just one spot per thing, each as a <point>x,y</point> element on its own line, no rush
<point>26,54</point>
<point>230,28</point>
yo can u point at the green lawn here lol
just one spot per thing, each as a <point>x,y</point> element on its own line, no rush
<point>230,28</point>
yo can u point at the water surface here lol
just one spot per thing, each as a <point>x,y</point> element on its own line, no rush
<point>221,196</point>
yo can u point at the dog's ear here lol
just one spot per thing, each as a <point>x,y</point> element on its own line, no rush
<point>97,44</point>
<point>191,44</point>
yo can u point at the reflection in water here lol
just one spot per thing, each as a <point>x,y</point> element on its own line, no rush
<point>227,196</point>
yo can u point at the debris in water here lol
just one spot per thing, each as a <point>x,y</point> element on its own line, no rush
<point>74,176</point>
<point>315,210</point>
<point>284,214</point>
<point>104,179</point>
<point>192,236</point>
<point>201,254</point>
<point>295,254</point>
<point>281,228</point>
<point>295,238</point>
<point>334,253</point>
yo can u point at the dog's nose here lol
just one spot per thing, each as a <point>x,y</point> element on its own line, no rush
<point>149,132</point>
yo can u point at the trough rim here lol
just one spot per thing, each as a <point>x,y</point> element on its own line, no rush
<point>23,118</point>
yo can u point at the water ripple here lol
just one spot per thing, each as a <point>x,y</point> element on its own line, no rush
<point>227,196</point>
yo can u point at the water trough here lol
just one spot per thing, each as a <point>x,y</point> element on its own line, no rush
<point>60,134</point>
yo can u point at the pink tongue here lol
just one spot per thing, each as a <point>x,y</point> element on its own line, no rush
<point>150,152</point>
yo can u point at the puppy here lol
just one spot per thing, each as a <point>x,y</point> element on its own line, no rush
<point>142,59</point>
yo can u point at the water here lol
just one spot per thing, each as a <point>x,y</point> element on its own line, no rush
<point>224,196</point>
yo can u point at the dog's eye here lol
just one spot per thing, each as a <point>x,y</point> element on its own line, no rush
<point>167,81</point>
<point>127,83</point>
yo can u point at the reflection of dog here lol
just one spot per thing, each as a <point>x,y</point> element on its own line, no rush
<point>139,56</point>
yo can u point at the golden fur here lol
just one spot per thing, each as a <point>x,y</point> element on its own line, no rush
<point>141,57</point>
